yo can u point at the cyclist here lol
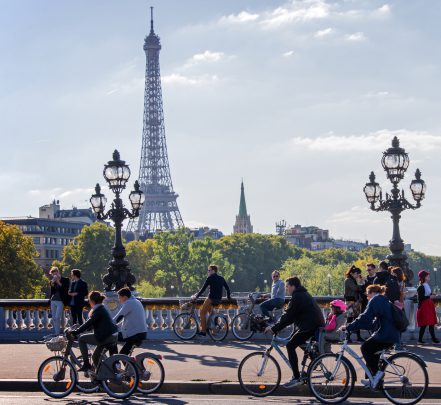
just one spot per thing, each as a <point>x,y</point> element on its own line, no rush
<point>133,328</point>
<point>378,310</point>
<point>216,284</point>
<point>277,296</point>
<point>307,316</point>
<point>104,333</point>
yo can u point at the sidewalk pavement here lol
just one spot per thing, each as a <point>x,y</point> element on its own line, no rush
<point>202,364</point>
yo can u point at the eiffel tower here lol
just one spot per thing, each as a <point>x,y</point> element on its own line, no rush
<point>160,211</point>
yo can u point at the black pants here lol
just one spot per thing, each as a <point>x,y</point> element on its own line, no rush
<point>77,314</point>
<point>431,331</point>
<point>369,349</point>
<point>299,338</point>
<point>130,341</point>
<point>89,339</point>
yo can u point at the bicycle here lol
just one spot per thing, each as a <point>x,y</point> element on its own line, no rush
<point>57,375</point>
<point>186,324</point>
<point>402,376</point>
<point>259,372</point>
<point>245,324</point>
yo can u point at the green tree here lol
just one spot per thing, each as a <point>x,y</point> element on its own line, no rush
<point>140,256</point>
<point>147,290</point>
<point>21,276</point>
<point>91,253</point>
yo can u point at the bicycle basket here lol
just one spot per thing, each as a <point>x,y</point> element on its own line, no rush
<point>56,344</point>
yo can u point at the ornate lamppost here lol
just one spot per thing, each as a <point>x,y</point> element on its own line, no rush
<point>395,162</point>
<point>117,173</point>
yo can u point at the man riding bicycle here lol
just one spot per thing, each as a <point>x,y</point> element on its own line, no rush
<point>105,332</point>
<point>133,328</point>
<point>216,284</point>
<point>304,312</point>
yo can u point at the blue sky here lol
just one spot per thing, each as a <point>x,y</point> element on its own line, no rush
<point>300,98</point>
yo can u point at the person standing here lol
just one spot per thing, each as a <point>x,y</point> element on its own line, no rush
<point>304,312</point>
<point>133,329</point>
<point>58,297</point>
<point>78,291</point>
<point>216,283</point>
<point>426,314</point>
<point>385,278</point>
<point>353,291</point>
<point>277,297</point>
<point>372,273</point>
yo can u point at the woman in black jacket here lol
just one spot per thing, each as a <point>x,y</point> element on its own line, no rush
<point>353,291</point>
<point>105,332</point>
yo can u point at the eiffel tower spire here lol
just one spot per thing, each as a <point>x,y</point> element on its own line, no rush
<point>160,210</point>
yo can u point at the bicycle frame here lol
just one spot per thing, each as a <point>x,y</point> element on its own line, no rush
<point>194,313</point>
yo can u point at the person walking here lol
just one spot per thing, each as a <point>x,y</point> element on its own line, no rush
<point>216,283</point>
<point>426,314</point>
<point>277,296</point>
<point>104,332</point>
<point>352,296</point>
<point>304,312</point>
<point>378,309</point>
<point>78,291</point>
<point>133,329</point>
<point>58,297</point>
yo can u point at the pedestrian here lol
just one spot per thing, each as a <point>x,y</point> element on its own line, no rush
<point>334,321</point>
<point>133,329</point>
<point>372,273</point>
<point>386,335</point>
<point>426,314</point>
<point>385,279</point>
<point>78,291</point>
<point>398,273</point>
<point>58,297</point>
<point>304,312</point>
<point>353,291</point>
<point>277,296</point>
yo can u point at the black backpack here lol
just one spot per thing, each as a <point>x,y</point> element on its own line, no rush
<point>399,318</point>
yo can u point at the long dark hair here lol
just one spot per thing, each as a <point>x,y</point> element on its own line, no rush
<point>353,269</point>
<point>398,273</point>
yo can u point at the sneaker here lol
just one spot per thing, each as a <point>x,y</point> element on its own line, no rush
<point>435,340</point>
<point>294,382</point>
<point>421,342</point>
<point>202,333</point>
<point>366,382</point>
<point>84,368</point>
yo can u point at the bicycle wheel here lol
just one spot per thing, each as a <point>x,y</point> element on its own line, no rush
<point>84,382</point>
<point>331,381</point>
<point>185,326</point>
<point>151,373</point>
<point>217,327</point>
<point>57,377</point>
<point>405,378</point>
<point>119,376</point>
<point>259,374</point>
<point>241,327</point>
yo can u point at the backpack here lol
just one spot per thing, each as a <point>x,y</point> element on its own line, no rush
<point>399,318</point>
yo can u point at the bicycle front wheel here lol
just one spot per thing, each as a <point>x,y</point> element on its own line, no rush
<point>331,379</point>
<point>259,374</point>
<point>218,327</point>
<point>185,326</point>
<point>405,379</point>
<point>57,377</point>
<point>151,373</point>
<point>241,327</point>
<point>118,376</point>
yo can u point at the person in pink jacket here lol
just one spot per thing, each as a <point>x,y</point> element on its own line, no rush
<point>334,321</point>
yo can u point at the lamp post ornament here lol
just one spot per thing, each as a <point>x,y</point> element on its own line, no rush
<point>395,162</point>
<point>117,173</point>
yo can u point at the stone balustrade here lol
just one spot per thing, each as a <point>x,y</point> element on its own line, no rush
<point>29,319</point>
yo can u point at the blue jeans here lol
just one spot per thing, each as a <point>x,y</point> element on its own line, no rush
<point>57,308</point>
<point>270,304</point>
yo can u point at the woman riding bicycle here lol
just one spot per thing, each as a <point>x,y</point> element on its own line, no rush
<point>378,311</point>
<point>105,332</point>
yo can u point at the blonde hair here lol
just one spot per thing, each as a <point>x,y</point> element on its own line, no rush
<point>54,269</point>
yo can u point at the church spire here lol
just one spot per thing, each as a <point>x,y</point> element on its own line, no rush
<point>243,204</point>
<point>243,222</point>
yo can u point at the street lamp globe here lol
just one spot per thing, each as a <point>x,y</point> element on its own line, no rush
<point>98,201</point>
<point>136,197</point>
<point>372,190</point>
<point>116,173</point>
<point>395,161</point>
<point>418,187</point>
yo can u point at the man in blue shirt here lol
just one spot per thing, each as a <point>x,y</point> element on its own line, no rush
<point>277,297</point>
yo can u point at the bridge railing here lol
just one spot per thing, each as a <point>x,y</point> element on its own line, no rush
<point>30,319</point>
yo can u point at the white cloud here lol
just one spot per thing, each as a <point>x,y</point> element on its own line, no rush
<point>288,54</point>
<point>324,33</point>
<point>178,79</point>
<point>208,56</point>
<point>242,17</point>
<point>356,37</point>
<point>384,10</point>
<point>416,140</point>
<point>355,215</point>
<point>377,94</point>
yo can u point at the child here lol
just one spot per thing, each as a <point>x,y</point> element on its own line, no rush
<point>334,321</point>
